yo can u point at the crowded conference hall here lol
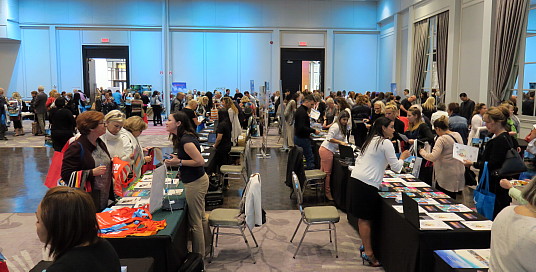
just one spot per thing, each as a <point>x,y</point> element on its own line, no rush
<point>297,135</point>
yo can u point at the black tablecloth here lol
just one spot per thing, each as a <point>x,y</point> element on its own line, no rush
<point>399,245</point>
<point>133,265</point>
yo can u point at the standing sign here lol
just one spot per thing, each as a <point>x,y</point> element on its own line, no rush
<point>178,87</point>
<point>252,86</point>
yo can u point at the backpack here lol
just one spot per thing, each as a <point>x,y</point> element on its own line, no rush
<point>13,108</point>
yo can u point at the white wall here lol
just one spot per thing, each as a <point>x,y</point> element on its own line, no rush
<point>387,49</point>
<point>470,50</point>
<point>355,62</point>
<point>8,56</point>
<point>210,60</point>
<point>146,58</point>
<point>69,60</point>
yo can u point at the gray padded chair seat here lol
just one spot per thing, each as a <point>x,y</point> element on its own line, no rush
<point>231,169</point>
<point>224,217</point>
<point>321,214</point>
<point>314,174</point>
<point>237,149</point>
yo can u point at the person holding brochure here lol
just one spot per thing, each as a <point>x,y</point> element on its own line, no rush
<point>377,153</point>
<point>448,171</point>
<point>495,152</point>
<point>513,235</point>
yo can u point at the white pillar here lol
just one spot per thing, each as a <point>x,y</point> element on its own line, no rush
<point>166,56</point>
<point>486,53</point>
<point>453,51</point>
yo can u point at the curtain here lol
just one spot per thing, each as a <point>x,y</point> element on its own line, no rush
<point>510,18</point>
<point>420,48</point>
<point>442,38</point>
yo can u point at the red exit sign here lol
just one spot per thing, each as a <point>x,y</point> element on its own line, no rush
<point>105,40</point>
<point>302,43</point>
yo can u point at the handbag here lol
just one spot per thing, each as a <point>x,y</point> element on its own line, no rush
<point>513,163</point>
<point>484,199</point>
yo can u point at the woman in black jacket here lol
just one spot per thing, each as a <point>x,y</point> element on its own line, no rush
<point>62,124</point>
<point>422,133</point>
<point>495,153</point>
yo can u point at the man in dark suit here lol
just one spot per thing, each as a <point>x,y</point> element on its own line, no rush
<point>40,110</point>
<point>303,130</point>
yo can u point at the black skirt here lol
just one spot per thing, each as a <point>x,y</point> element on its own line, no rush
<point>364,200</point>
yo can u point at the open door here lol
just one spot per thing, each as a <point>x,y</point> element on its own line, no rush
<point>302,69</point>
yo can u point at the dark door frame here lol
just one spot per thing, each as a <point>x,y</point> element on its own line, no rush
<point>106,52</point>
<point>304,54</point>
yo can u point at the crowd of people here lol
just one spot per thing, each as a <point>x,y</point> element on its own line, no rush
<point>382,125</point>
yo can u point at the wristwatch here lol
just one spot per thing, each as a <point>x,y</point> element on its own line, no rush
<point>180,163</point>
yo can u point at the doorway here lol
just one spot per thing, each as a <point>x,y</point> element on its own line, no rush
<point>106,67</point>
<point>302,69</point>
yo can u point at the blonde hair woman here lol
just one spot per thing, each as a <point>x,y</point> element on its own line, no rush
<point>236,129</point>
<point>428,107</point>
<point>114,121</point>
<point>133,127</point>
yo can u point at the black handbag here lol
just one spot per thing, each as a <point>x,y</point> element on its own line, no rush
<point>513,163</point>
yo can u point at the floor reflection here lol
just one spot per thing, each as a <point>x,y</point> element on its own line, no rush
<point>22,173</point>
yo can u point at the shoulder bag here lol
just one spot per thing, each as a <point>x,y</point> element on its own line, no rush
<point>513,163</point>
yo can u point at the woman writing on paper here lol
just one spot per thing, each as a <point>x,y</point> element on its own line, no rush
<point>192,173</point>
<point>377,153</point>
<point>495,153</point>
<point>448,171</point>
<point>337,134</point>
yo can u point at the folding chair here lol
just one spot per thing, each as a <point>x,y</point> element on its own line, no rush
<point>314,216</point>
<point>240,170</point>
<point>230,218</point>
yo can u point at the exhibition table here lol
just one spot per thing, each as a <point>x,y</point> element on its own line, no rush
<point>399,245</point>
<point>168,246</point>
<point>133,265</point>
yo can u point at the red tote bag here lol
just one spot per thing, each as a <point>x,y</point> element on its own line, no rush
<point>54,171</point>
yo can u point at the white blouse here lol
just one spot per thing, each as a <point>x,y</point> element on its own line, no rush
<point>333,133</point>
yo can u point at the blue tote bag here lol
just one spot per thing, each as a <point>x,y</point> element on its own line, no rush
<point>484,199</point>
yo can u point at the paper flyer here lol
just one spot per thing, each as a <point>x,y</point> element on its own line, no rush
<point>389,194</point>
<point>393,180</point>
<point>464,152</point>
<point>415,184</point>
<point>454,208</point>
<point>315,114</point>
<point>407,189</point>
<point>426,201</point>
<point>128,200</point>
<point>434,195</point>
<point>143,185</point>
<point>478,225</point>
<point>433,225</point>
<point>445,216</point>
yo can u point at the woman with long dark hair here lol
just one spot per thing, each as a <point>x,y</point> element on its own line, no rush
<point>191,167</point>
<point>62,124</point>
<point>337,135</point>
<point>377,153</point>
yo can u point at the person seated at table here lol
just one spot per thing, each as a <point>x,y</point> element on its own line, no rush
<point>112,138</point>
<point>223,142</point>
<point>87,163</point>
<point>192,170</point>
<point>337,134</point>
<point>376,154</point>
<point>448,171</point>
<point>67,225</point>
<point>513,235</point>
<point>133,128</point>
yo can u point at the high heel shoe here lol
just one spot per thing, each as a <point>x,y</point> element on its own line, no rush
<point>361,250</point>
<point>372,261</point>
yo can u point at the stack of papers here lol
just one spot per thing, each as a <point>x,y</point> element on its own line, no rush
<point>445,216</point>
<point>465,258</point>
<point>478,225</point>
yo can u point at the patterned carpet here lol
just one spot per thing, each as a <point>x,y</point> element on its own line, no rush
<point>23,250</point>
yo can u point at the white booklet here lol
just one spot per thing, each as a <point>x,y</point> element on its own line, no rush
<point>415,184</point>
<point>464,152</point>
<point>129,200</point>
<point>478,225</point>
<point>433,225</point>
<point>315,114</point>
